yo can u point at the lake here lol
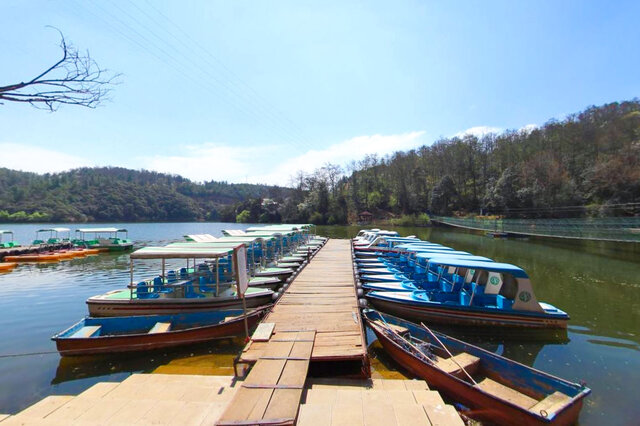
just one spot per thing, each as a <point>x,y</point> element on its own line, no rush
<point>597,284</point>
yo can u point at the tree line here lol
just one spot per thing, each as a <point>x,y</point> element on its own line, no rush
<point>585,164</point>
<point>114,194</point>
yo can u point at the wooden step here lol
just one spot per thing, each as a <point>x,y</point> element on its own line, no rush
<point>86,331</point>
<point>467,361</point>
<point>552,403</point>
<point>507,393</point>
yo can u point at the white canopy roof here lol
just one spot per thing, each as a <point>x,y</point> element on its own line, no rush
<point>98,230</point>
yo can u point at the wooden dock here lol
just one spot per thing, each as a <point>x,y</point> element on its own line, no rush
<point>166,399</point>
<point>316,320</point>
<point>321,298</point>
<point>272,391</point>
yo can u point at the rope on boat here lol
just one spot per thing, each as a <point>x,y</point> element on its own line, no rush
<point>28,354</point>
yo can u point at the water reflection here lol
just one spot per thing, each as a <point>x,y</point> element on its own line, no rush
<point>205,358</point>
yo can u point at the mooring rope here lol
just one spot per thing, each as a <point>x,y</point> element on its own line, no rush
<point>27,354</point>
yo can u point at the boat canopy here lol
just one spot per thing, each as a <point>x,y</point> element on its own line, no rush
<point>100,230</point>
<point>244,238</point>
<point>417,244</point>
<point>217,244</point>
<point>180,253</point>
<point>462,262</point>
<point>275,233</point>
<point>456,255</point>
<point>54,230</point>
<point>234,232</point>
<point>200,238</point>
<point>425,249</point>
<point>5,231</point>
<point>439,253</point>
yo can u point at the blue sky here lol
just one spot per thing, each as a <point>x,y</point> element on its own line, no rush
<point>252,91</point>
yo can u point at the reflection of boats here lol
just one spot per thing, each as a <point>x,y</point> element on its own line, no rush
<point>472,292</point>
<point>118,365</point>
<point>189,290</point>
<point>141,333</point>
<point>108,239</point>
<point>497,389</point>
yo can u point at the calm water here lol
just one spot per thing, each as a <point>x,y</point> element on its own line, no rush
<point>597,284</point>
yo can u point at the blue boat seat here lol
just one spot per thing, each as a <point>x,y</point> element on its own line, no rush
<point>465,298</point>
<point>190,292</point>
<point>142,291</point>
<point>202,282</point>
<point>159,286</point>
<point>172,276</point>
<point>183,273</point>
<point>458,282</point>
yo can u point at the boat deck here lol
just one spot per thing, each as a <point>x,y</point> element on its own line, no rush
<point>321,298</point>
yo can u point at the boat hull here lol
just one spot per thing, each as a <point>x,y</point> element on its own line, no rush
<point>144,342</point>
<point>444,314</point>
<point>484,406</point>
<point>99,307</point>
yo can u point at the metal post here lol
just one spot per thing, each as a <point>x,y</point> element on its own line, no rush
<point>131,285</point>
<point>217,277</point>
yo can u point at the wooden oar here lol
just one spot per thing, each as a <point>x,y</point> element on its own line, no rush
<point>429,360</point>
<point>450,354</point>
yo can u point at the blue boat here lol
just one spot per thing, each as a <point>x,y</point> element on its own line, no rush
<point>473,293</point>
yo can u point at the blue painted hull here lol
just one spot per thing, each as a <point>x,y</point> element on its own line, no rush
<point>131,333</point>
<point>404,305</point>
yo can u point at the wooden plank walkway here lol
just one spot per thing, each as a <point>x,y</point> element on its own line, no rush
<point>321,298</point>
<point>272,391</point>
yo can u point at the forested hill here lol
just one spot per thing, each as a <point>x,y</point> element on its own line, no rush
<point>118,194</point>
<point>591,158</point>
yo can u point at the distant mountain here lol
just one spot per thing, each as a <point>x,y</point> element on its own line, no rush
<point>117,194</point>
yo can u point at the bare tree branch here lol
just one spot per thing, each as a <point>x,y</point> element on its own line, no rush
<point>75,79</point>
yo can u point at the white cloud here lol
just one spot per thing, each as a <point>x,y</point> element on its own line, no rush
<point>478,131</point>
<point>208,161</point>
<point>39,160</point>
<point>223,162</point>
<point>528,128</point>
<point>272,165</point>
<point>342,153</point>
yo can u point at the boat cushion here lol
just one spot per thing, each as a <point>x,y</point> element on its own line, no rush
<point>552,403</point>
<point>87,331</point>
<point>467,361</point>
<point>160,327</point>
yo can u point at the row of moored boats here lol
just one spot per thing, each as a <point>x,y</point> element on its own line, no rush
<point>56,244</point>
<point>413,284</point>
<point>195,296</point>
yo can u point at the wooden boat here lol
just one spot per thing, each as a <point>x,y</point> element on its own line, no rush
<point>496,389</point>
<point>110,239</point>
<point>473,293</point>
<point>200,290</point>
<point>140,333</point>
<point>7,266</point>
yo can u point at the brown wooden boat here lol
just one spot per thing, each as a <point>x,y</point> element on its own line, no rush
<point>146,332</point>
<point>496,389</point>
